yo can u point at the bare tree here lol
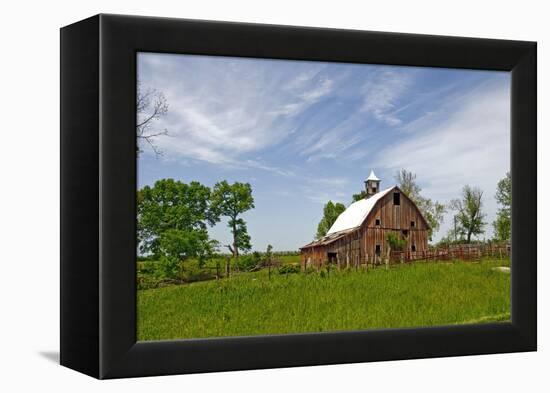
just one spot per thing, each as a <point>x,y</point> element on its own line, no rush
<point>407,183</point>
<point>151,105</point>
<point>432,211</point>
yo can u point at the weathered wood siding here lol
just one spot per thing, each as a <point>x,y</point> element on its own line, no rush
<point>395,218</point>
<point>359,247</point>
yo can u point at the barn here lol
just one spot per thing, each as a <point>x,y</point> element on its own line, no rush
<point>358,236</point>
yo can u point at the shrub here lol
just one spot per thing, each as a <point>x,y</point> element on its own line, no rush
<point>147,281</point>
<point>146,267</point>
<point>194,270</point>
<point>395,241</point>
<point>248,262</point>
<point>168,268</point>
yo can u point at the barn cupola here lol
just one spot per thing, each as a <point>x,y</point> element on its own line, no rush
<point>372,184</point>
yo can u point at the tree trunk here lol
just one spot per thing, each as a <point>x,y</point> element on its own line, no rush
<point>235,248</point>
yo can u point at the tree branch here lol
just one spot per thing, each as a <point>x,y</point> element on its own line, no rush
<point>158,108</point>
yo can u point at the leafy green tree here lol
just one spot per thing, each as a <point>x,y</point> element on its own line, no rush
<point>432,211</point>
<point>359,196</point>
<point>469,216</point>
<point>502,227</point>
<point>269,252</point>
<point>502,224</point>
<point>232,200</point>
<point>331,211</point>
<point>184,244</point>
<point>395,241</point>
<point>174,213</point>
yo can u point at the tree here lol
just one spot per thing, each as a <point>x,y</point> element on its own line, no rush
<point>151,105</point>
<point>232,200</point>
<point>432,211</point>
<point>407,183</point>
<point>331,211</point>
<point>502,224</point>
<point>176,214</point>
<point>469,217</point>
<point>359,196</point>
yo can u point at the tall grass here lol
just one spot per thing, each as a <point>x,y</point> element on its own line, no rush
<point>421,294</point>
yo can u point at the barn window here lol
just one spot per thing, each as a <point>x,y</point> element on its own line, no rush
<point>396,198</point>
<point>412,224</point>
<point>377,249</point>
<point>405,232</point>
<point>413,247</point>
<point>377,222</point>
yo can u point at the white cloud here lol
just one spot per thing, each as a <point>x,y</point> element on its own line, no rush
<point>323,88</point>
<point>381,94</point>
<point>472,146</point>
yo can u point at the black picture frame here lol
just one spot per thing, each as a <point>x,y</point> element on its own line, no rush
<point>98,188</point>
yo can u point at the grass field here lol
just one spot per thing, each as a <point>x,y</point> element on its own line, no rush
<point>412,295</point>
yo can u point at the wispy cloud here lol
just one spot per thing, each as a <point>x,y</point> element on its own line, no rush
<point>382,93</point>
<point>220,112</point>
<point>470,146</point>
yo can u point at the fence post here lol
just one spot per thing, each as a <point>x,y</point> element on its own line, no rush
<point>227,267</point>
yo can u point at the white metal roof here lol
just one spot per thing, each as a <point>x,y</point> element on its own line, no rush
<point>372,176</point>
<point>356,213</point>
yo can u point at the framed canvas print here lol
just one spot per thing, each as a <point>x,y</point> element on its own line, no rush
<point>239,196</point>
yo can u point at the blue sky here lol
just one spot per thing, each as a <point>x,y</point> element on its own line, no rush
<point>303,133</point>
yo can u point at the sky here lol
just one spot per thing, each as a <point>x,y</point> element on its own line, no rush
<point>303,133</point>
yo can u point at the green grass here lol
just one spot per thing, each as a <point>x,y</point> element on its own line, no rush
<point>421,294</point>
<point>287,259</point>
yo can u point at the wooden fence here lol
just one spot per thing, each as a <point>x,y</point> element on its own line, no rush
<point>457,251</point>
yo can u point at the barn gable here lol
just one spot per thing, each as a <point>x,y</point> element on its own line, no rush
<point>401,220</point>
<point>356,214</point>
